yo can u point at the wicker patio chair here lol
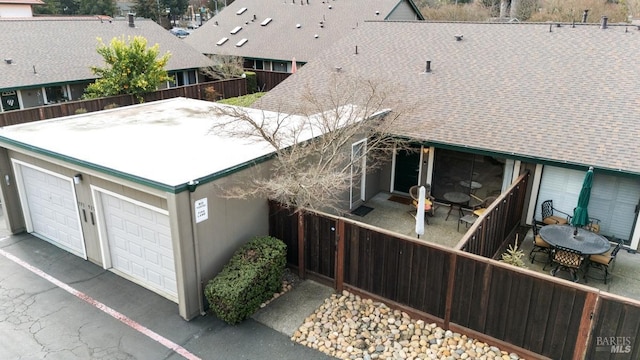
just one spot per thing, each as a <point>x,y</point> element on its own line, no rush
<point>566,259</point>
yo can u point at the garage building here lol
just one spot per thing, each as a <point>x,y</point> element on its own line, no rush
<point>136,190</point>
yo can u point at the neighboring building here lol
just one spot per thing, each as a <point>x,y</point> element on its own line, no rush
<point>486,101</point>
<point>47,59</point>
<point>17,8</point>
<point>269,34</point>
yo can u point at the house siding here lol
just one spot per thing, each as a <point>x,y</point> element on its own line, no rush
<point>403,11</point>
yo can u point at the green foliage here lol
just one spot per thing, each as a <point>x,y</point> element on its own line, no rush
<point>131,69</point>
<point>514,256</point>
<point>80,111</point>
<point>245,100</point>
<point>251,277</point>
<point>148,9</point>
<point>252,82</point>
<point>77,7</point>
<point>97,7</point>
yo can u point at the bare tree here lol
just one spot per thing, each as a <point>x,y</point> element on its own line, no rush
<point>226,67</point>
<point>314,163</point>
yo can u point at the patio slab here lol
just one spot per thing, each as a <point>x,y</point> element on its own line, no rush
<point>400,218</point>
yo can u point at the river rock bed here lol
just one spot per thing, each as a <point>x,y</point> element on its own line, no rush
<point>349,327</point>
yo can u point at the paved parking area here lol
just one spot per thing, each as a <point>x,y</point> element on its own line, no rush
<point>55,305</point>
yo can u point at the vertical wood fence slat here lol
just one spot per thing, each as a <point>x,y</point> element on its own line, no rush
<point>586,325</point>
<point>301,246</point>
<point>340,256</point>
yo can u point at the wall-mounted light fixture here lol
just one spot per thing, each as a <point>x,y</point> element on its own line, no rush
<point>77,178</point>
<point>192,184</point>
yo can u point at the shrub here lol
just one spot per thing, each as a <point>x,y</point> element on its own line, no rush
<point>210,94</point>
<point>252,82</point>
<point>251,277</point>
<point>514,256</point>
<point>111,106</point>
<point>80,111</point>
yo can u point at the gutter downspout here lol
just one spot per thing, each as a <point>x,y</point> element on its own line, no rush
<point>196,246</point>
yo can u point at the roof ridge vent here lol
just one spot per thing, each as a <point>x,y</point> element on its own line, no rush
<point>241,11</point>
<point>266,21</point>
<point>241,42</point>
<point>236,30</point>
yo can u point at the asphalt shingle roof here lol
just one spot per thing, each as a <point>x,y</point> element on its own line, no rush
<point>563,94</point>
<point>48,50</point>
<point>281,39</point>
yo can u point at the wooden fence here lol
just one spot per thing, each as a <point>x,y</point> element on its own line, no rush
<point>497,226</point>
<point>224,89</point>
<point>267,80</point>
<point>518,310</point>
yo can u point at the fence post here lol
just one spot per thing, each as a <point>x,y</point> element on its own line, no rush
<point>585,336</point>
<point>450,286</point>
<point>339,271</point>
<point>301,247</point>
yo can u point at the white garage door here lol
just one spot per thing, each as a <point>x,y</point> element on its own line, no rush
<point>50,208</point>
<point>613,199</point>
<point>138,243</point>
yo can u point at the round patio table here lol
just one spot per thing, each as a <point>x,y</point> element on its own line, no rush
<point>457,199</point>
<point>473,185</point>
<point>586,242</point>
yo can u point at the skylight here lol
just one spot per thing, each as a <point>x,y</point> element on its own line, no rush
<point>236,29</point>
<point>266,21</point>
<point>222,41</point>
<point>241,42</point>
<point>242,10</point>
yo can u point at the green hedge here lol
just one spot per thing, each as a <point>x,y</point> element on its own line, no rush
<point>252,82</point>
<point>250,278</point>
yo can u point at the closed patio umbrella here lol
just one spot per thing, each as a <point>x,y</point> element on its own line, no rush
<point>580,213</point>
<point>422,194</point>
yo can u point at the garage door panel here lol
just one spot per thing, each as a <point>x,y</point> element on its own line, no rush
<point>51,208</point>
<point>139,241</point>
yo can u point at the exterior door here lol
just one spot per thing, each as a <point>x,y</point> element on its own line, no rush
<point>136,241</point>
<point>50,207</point>
<point>406,170</point>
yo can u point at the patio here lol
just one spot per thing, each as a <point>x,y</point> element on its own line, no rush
<point>398,217</point>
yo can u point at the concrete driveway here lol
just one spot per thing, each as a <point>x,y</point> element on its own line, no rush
<point>55,305</point>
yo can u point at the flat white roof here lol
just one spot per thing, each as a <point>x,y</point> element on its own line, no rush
<point>167,142</point>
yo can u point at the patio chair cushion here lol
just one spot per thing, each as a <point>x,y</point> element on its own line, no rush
<point>554,220</point>
<point>541,243</point>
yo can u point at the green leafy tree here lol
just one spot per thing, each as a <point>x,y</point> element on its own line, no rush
<point>132,68</point>
<point>97,7</point>
<point>149,9</point>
